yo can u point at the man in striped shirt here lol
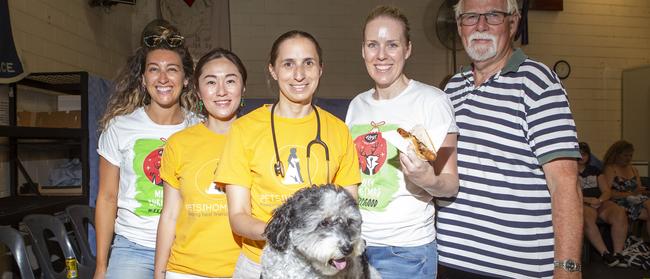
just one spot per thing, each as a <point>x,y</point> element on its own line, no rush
<point>518,213</point>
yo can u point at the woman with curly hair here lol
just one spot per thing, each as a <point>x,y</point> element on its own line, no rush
<point>151,101</point>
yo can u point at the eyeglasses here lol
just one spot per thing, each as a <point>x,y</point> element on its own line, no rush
<point>492,18</point>
<point>170,40</point>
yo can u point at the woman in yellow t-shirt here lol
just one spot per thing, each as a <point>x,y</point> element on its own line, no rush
<point>194,237</point>
<point>268,155</point>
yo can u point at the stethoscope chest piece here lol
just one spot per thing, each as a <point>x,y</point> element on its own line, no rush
<point>279,168</point>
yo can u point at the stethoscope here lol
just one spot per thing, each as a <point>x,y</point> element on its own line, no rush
<point>279,167</point>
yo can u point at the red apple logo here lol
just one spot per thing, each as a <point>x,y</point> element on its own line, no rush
<point>151,166</point>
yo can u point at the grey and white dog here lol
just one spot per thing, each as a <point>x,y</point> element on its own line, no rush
<point>316,234</point>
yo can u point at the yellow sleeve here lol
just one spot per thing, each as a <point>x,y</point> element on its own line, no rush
<point>170,162</point>
<point>348,172</point>
<point>234,167</point>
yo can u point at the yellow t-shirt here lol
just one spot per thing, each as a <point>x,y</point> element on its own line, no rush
<point>248,160</point>
<point>204,243</point>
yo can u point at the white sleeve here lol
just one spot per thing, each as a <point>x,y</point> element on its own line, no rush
<point>440,120</point>
<point>108,145</point>
<point>349,113</point>
<point>445,104</point>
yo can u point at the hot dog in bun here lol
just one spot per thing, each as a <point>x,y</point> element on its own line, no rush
<point>420,142</point>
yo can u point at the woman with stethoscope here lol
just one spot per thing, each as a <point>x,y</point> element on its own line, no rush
<point>277,149</point>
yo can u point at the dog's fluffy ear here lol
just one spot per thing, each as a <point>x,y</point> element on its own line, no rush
<point>277,231</point>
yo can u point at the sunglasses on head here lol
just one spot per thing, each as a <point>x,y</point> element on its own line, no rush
<point>170,40</point>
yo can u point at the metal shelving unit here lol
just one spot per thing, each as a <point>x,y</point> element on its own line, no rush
<point>15,206</point>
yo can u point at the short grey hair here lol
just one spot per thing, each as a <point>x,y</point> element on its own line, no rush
<point>513,7</point>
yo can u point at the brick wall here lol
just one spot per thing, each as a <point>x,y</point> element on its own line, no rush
<point>70,35</point>
<point>599,38</point>
<point>337,25</point>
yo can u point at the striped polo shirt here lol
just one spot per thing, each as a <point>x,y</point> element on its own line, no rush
<point>500,223</point>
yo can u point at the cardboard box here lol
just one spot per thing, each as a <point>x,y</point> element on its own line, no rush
<point>68,102</point>
<point>26,118</point>
<point>60,190</point>
<point>54,119</point>
<point>59,119</point>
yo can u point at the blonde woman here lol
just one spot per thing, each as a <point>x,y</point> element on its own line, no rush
<point>397,195</point>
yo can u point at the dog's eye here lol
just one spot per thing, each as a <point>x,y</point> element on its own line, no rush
<point>325,222</point>
<point>352,222</point>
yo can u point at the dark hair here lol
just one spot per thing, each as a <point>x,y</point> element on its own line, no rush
<point>615,150</point>
<point>216,54</point>
<point>212,55</point>
<point>584,147</point>
<point>129,94</point>
<point>389,12</point>
<point>273,55</point>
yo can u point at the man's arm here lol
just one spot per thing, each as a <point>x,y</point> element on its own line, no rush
<point>566,205</point>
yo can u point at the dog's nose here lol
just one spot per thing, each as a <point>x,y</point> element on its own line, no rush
<point>346,249</point>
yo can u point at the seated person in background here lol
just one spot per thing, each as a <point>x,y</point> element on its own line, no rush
<point>596,194</point>
<point>625,181</point>
<point>595,162</point>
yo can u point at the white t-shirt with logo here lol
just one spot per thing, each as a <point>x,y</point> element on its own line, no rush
<point>395,211</point>
<point>134,143</point>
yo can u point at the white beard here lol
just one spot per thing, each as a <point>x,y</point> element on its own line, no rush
<point>481,53</point>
